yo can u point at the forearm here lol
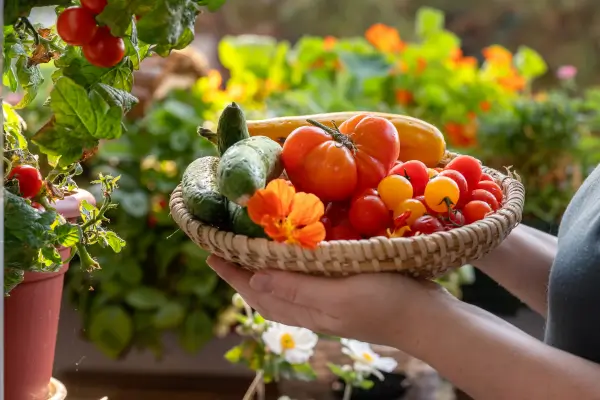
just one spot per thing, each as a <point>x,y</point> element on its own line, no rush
<point>490,359</point>
<point>522,265</point>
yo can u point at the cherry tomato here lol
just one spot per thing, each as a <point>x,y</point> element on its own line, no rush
<point>429,210</point>
<point>343,231</point>
<point>456,219</point>
<point>427,225</point>
<point>484,195</point>
<point>440,193</point>
<point>335,164</point>
<point>76,26</point>
<point>95,6</point>
<point>365,192</point>
<point>493,188</point>
<point>432,173</point>
<point>486,177</point>
<point>104,50</point>
<point>476,210</point>
<point>37,206</point>
<point>469,167</point>
<point>394,189</point>
<point>416,172</point>
<point>369,216</point>
<point>463,188</point>
<point>416,208</point>
<point>29,178</point>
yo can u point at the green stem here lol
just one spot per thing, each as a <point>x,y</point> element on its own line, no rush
<point>86,259</point>
<point>347,391</point>
<point>9,166</point>
<point>335,133</point>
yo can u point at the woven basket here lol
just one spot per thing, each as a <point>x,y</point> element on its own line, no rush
<point>424,256</point>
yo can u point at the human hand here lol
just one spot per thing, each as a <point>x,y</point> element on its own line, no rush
<point>373,308</point>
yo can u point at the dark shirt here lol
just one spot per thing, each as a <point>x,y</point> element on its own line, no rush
<point>573,323</point>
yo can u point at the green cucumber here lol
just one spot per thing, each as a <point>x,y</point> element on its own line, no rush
<point>241,224</point>
<point>201,195</point>
<point>248,166</point>
<point>232,127</point>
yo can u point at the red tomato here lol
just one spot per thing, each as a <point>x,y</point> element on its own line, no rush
<point>427,225</point>
<point>104,50</point>
<point>95,6</point>
<point>429,210</point>
<point>29,178</point>
<point>456,219</point>
<point>469,167</point>
<point>484,195</point>
<point>416,172</point>
<point>493,188</point>
<point>335,164</point>
<point>463,187</point>
<point>476,210</point>
<point>365,192</point>
<point>369,216</point>
<point>343,231</point>
<point>76,26</point>
<point>337,212</point>
<point>486,177</point>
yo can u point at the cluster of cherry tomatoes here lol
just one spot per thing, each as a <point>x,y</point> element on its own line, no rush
<point>29,178</point>
<point>413,199</point>
<point>77,26</point>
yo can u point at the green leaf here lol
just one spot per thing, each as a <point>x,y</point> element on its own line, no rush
<point>135,203</point>
<point>116,97</point>
<point>212,5</point>
<point>12,277</point>
<point>111,329</point>
<point>304,372</point>
<point>62,143</point>
<point>429,21</point>
<point>366,384</point>
<point>67,235</point>
<point>145,298</point>
<point>364,66</point>
<point>196,331</point>
<point>530,63</point>
<point>113,240</point>
<point>130,272</point>
<point>50,257</point>
<point>30,79</point>
<point>234,354</point>
<point>169,315</point>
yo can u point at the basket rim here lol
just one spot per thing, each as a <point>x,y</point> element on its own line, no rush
<point>513,190</point>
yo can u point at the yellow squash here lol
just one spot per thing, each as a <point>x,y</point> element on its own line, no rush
<point>419,140</point>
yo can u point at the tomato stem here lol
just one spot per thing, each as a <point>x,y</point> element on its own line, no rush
<point>335,133</point>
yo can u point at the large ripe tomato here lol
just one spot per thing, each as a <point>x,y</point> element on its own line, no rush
<point>493,188</point>
<point>29,178</point>
<point>416,172</point>
<point>427,225</point>
<point>335,163</point>
<point>485,196</point>
<point>76,26</point>
<point>463,187</point>
<point>469,167</point>
<point>104,50</point>
<point>95,6</point>
<point>369,216</point>
<point>441,194</point>
<point>476,210</point>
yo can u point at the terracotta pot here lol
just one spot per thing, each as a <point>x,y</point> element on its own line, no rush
<point>31,323</point>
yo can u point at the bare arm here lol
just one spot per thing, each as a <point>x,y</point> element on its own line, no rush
<point>522,265</point>
<point>490,359</point>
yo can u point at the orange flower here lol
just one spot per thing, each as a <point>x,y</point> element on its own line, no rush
<point>385,38</point>
<point>287,216</point>
<point>462,135</point>
<point>456,54</point>
<point>497,55</point>
<point>236,91</point>
<point>214,79</point>
<point>404,97</point>
<point>470,62</point>
<point>485,106</point>
<point>513,81</point>
<point>329,42</point>
<point>421,64</point>
<point>401,228</point>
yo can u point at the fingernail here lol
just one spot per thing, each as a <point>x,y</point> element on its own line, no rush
<point>261,282</point>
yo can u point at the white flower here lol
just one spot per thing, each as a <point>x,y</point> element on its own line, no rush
<point>238,301</point>
<point>294,344</point>
<point>366,361</point>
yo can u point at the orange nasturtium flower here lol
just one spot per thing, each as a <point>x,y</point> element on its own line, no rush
<point>287,216</point>
<point>513,81</point>
<point>485,106</point>
<point>404,97</point>
<point>497,55</point>
<point>329,42</point>
<point>385,38</point>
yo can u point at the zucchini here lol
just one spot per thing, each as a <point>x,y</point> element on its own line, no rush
<point>201,194</point>
<point>231,128</point>
<point>241,224</point>
<point>248,166</point>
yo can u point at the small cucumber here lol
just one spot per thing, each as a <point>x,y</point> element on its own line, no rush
<point>232,127</point>
<point>241,224</point>
<point>201,194</point>
<point>248,166</point>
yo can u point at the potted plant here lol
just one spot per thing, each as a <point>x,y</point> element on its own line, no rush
<point>95,47</point>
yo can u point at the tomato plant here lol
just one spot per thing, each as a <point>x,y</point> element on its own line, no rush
<point>485,196</point>
<point>76,26</point>
<point>104,50</point>
<point>493,188</point>
<point>369,215</point>
<point>427,225</point>
<point>95,6</point>
<point>469,167</point>
<point>394,189</point>
<point>441,194</point>
<point>461,182</point>
<point>476,210</point>
<point>29,178</point>
<point>336,163</point>
<point>417,209</point>
<point>416,172</point>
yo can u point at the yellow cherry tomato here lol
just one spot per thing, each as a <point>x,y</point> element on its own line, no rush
<point>416,208</point>
<point>394,189</point>
<point>432,173</point>
<point>441,192</point>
